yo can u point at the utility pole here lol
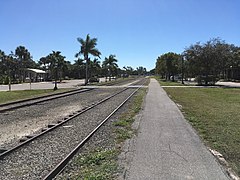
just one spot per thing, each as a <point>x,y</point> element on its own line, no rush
<point>182,58</point>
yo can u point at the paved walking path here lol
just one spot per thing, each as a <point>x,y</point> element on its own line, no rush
<point>167,147</point>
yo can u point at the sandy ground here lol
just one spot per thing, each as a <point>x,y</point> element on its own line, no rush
<point>17,129</point>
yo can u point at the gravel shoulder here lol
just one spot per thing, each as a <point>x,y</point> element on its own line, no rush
<point>103,141</point>
<point>28,120</point>
<point>38,157</point>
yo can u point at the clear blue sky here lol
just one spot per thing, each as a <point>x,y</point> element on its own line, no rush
<point>136,31</point>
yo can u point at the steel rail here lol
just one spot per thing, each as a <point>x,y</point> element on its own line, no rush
<point>40,99</point>
<point>61,122</point>
<point>59,168</point>
<point>35,98</point>
<point>48,97</point>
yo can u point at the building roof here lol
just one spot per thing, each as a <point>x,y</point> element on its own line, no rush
<point>39,71</point>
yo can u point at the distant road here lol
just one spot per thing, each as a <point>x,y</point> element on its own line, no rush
<point>229,84</point>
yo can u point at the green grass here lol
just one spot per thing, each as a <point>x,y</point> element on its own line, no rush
<point>97,165</point>
<point>8,96</point>
<point>123,134</point>
<point>102,164</point>
<point>215,114</point>
<point>163,82</point>
<point>124,124</point>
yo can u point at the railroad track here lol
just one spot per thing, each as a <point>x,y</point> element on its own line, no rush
<point>31,101</point>
<point>60,166</point>
<point>28,102</point>
<point>22,119</point>
<point>11,158</point>
<point>53,126</point>
<point>121,82</point>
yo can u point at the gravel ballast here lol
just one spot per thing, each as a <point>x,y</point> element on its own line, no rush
<point>27,120</point>
<point>36,159</point>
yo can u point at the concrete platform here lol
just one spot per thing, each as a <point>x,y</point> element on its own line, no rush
<point>166,146</point>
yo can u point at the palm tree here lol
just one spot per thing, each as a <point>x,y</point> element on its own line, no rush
<point>88,47</point>
<point>129,70</point>
<point>56,65</point>
<point>44,63</point>
<point>2,57</point>
<point>94,67</point>
<point>2,66</point>
<point>79,67</point>
<point>141,70</point>
<point>7,66</point>
<point>24,59</point>
<point>110,64</point>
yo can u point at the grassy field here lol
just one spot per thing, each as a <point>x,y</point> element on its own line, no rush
<point>8,96</point>
<point>215,114</point>
<point>163,82</point>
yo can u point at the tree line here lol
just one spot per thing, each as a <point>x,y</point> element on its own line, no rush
<point>13,66</point>
<point>206,62</point>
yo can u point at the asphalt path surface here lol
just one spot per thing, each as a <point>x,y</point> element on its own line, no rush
<point>166,146</point>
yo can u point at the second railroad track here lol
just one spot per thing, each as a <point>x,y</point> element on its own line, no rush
<point>44,155</point>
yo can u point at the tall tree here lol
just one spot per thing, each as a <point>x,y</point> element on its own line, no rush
<point>168,64</point>
<point>7,65</point>
<point>110,64</point>
<point>88,46</point>
<point>67,69</point>
<point>2,57</point>
<point>129,70</point>
<point>160,68</point>
<point>141,70</point>
<point>94,67</point>
<point>210,61</point>
<point>44,63</point>
<point>57,63</point>
<point>24,60</point>
<point>78,68</point>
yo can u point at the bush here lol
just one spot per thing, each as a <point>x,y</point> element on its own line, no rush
<point>206,80</point>
<point>4,80</point>
<point>93,79</point>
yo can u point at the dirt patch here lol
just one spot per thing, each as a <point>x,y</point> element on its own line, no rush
<point>17,129</point>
